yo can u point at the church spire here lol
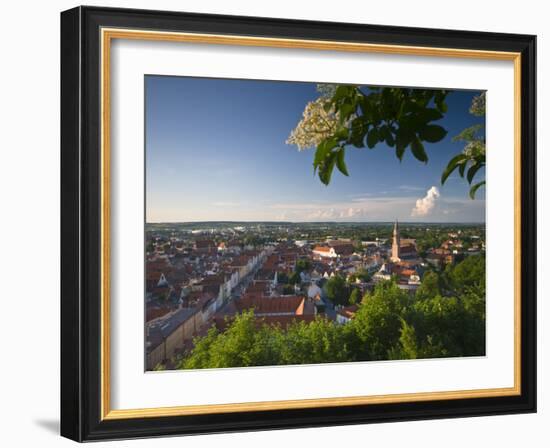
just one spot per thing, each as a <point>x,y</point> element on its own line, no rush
<point>396,243</point>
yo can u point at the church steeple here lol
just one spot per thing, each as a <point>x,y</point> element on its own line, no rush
<point>396,244</point>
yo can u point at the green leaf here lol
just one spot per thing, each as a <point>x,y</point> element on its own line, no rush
<point>387,136</point>
<point>418,150</point>
<point>357,141</point>
<point>340,162</point>
<point>472,171</point>
<point>358,132</point>
<point>451,166</point>
<point>428,114</point>
<point>342,91</point>
<point>365,106</point>
<point>372,138</point>
<point>345,111</point>
<point>399,152</point>
<point>403,139</point>
<point>401,109</point>
<point>432,133</point>
<point>475,188</point>
<point>323,149</point>
<point>341,134</point>
<point>401,142</point>
<point>440,101</point>
<point>326,168</point>
<point>462,167</point>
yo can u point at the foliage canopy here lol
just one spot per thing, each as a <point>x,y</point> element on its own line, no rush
<point>355,116</point>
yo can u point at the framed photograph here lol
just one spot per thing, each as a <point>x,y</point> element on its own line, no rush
<point>276,224</point>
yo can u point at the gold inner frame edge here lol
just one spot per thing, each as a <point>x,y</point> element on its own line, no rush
<point>107,35</point>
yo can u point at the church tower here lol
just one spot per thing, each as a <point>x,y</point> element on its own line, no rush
<point>396,243</point>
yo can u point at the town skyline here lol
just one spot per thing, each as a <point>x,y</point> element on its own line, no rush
<point>261,283</point>
<point>228,161</point>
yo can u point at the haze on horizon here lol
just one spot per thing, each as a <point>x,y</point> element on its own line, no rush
<point>416,223</point>
<point>216,151</point>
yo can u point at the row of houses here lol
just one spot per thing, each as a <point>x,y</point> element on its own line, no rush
<point>170,329</point>
<point>168,334</point>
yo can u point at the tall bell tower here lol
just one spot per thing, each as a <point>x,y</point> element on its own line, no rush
<point>396,244</point>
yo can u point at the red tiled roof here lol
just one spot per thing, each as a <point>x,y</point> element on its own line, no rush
<point>343,248</point>
<point>212,280</point>
<point>203,244</point>
<point>156,312</point>
<point>321,249</point>
<point>239,261</point>
<point>284,304</point>
<point>409,249</point>
<point>349,311</point>
<point>258,286</point>
<point>254,295</point>
<point>153,276</point>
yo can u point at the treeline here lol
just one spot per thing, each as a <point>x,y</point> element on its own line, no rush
<point>343,292</point>
<point>445,318</point>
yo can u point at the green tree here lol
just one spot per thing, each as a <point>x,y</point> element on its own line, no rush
<point>363,275</point>
<point>317,342</point>
<point>377,324</point>
<point>201,355</point>
<point>430,286</point>
<point>365,116</point>
<point>355,296</point>
<point>357,116</point>
<point>294,278</point>
<point>407,347</point>
<point>469,273</point>
<point>337,290</point>
<point>446,327</point>
<point>241,345</point>
<point>248,343</point>
<point>303,265</point>
<point>282,277</point>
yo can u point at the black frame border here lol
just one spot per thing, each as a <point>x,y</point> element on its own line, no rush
<point>81,224</point>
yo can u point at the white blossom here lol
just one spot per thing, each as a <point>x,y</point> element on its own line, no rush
<point>316,125</point>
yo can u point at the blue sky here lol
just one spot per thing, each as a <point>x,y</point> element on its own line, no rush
<point>215,150</point>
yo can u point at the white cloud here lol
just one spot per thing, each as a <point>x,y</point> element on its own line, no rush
<point>380,208</point>
<point>374,209</point>
<point>424,206</point>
